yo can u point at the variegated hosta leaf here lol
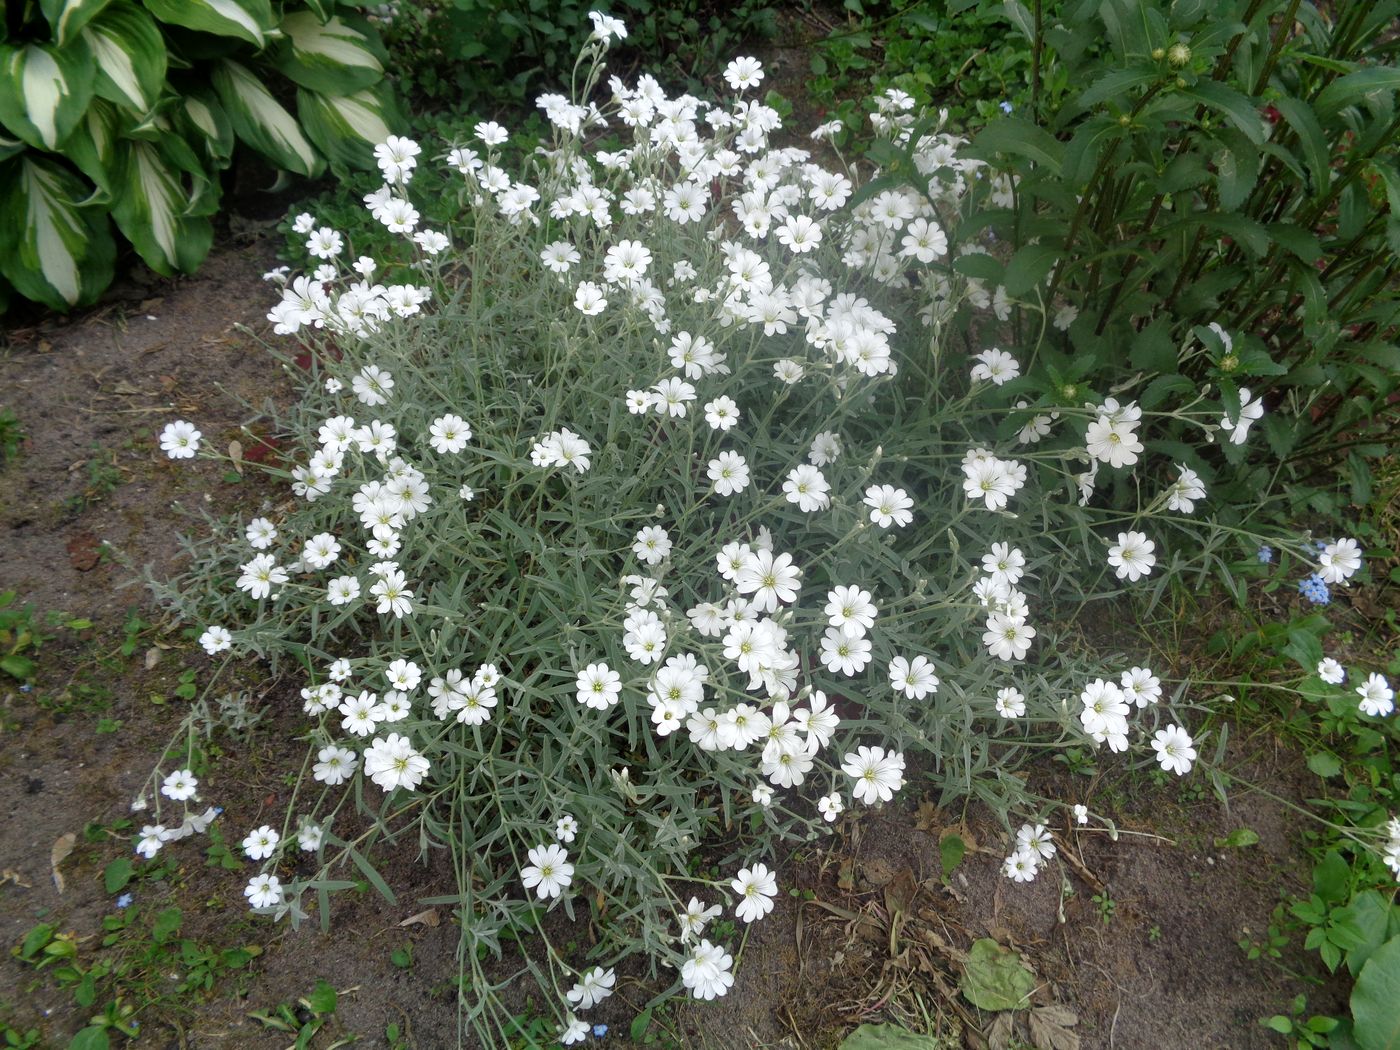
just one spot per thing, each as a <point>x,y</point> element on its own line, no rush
<point>152,207</point>
<point>207,124</point>
<point>67,17</point>
<point>323,8</point>
<point>129,53</point>
<point>348,127</point>
<point>44,90</point>
<point>261,122</point>
<point>250,20</point>
<point>340,56</point>
<point>53,248</point>
<point>92,147</point>
<point>9,147</point>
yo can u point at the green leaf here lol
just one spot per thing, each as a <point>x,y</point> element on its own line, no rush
<point>1375,915</point>
<point>44,90</point>
<point>1375,1000</point>
<point>20,668</point>
<point>153,207</point>
<point>1236,170</point>
<point>1331,877</point>
<point>250,20</point>
<point>338,57</point>
<point>53,249</point>
<point>207,123</point>
<point>322,998</point>
<point>951,850</point>
<point>887,1037</point>
<point>1028,268</point>
<point>1250,234</point>
<point>1352,88</point>
<point>260,121</point>
<point>979,265</point>
<point>1302,243</point>
<point>994,977</point>
<point>90,1038</point>
<point>375,879</point>
<point>640,1024</point>
<point>67,17</point>
<point>129,53</point>
<point>167,924</point>
<point>1235,107</point>
<point>1324,764</point>
<point>346,128</point>
<point>117,874</point>
<point>1019,138</point>
<point>1238,839</point>
<point>92,147</point>
<point>1153,349</point>
<point>1316,153</point>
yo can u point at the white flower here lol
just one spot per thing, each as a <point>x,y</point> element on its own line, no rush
<point>696,917</point>
<point>263,891</point>
<point>772,580</point>
<point>372,385</point>
<point>1021,866</point>
<point>606,28</point>
<point>841,653</point>
<point>180,439</point>
<point>806,487</point>
<point>1249,412</point>
<point>394,596</point>
<point>1011,702</point>
<point>915,679</point>
<point>261,843</point>
<point>1339,560</point>
<point>763,795</point>
<point>548,872</point>
<point>743,73</point>
<point>153,837</point>
<point>574,1031</point>
<point>889,506</point>
<point>1174,750</point>
<point>756,887</point>
<point>592,988</point>
<point>449,434</point>
<point>995,366</point>
<point>589,299</point>
<point>394,763</point>
<point>877,775</point>
<point>1377,698</point>
<point>342,590</point>
<point>1007,637</point>
<point>826,448</point>
<point>560,256</point>
<point>1113,440</point>
<point>707,972</point>
<point>850,609</point>
<point>730,473</point>
<point>566,828</point>
<point>1185,491</point>
<point>216,639</point>
<point>1141,686</point>
<point>1131,557</point>
<point>321,550</point>
<point>334,765</point>
<point>652,545</point>
<point>598,686</point>
<point>1081,814</point>
<point>830,807</point>
<point>491,133</point>
<point>1035,838</point>
<point>180,785</point>
<point>721,413</point>
<point>1331,672</point>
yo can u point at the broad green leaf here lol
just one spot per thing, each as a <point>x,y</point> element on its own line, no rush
<point>888,1037</point>
<point>1238,839</point>
<point>1241,228</point>
<point>44,90</point>
<point>994,977</point>
<point>1325,764</point>
<point>979,265</point>
<point>1235,107</point>
<point>201,114</point>
<point>117,874</point>
<point>1302,243</point>
<point>260,121</point>
<point>10,147</point>
<point>322,998</point>
<point>152,206</point>
<point>340,57</point>
<point>951,851</point>
<point>1153,349</point>
<point>250,20</point>
<point>1375,999</point>
<point>52,248</point>
<point>67,17</point>
<point>1236,169</point>
<point>91,1038</point>
<point>1117,84</point>
<point>1019,138</point>
<point>1376,916</point>
<point>1352,88</point>
<point>92,147</point>
<point>1028,268</point>
<point>129,53</point>
<point>348,127</point>
<point>323,8</point>
<point>1305,125</point>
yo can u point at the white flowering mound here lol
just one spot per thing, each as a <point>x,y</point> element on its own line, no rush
<point>650,512</point>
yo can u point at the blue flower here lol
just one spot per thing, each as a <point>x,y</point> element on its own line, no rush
<point>124,901</point>
<point>599,1030</point>
<point>1006,107</point>
<point>1314,589</point>
<point>1266,554</point>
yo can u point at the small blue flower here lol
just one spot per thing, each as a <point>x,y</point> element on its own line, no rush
<point>1006,107</point>
<point>599,1030</point>
<point>124,901</point>
<point>26,688</point>
<point>1314,589</point>
<point>1266,554</point>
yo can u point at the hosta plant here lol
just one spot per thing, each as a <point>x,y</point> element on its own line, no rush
<point>118,112</point>
<point>648,529</point>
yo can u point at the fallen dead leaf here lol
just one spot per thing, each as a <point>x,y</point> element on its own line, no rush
<point>152,657</point>
<point>10,875</point>
<point>1050,1028</point>
<point>235,453</point>
<point>423,918</point>
<point>62,847</point>
<point>84,551</point>
<point>877,872</point>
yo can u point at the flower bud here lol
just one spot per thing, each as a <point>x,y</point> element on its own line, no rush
<point>1178,55</point>
<point>1158,54</point>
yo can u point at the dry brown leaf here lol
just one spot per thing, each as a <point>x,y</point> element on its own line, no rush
<point>1000,1033</point>
<point>425,918</point>
<point>235,453</point>
<point>927,817</point>
<point>877,872</point>
<point>152,657</point>
<point>1050,1028</point>
<point>10,875</point>
<point>62,847</point>
<point>124,388</point>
